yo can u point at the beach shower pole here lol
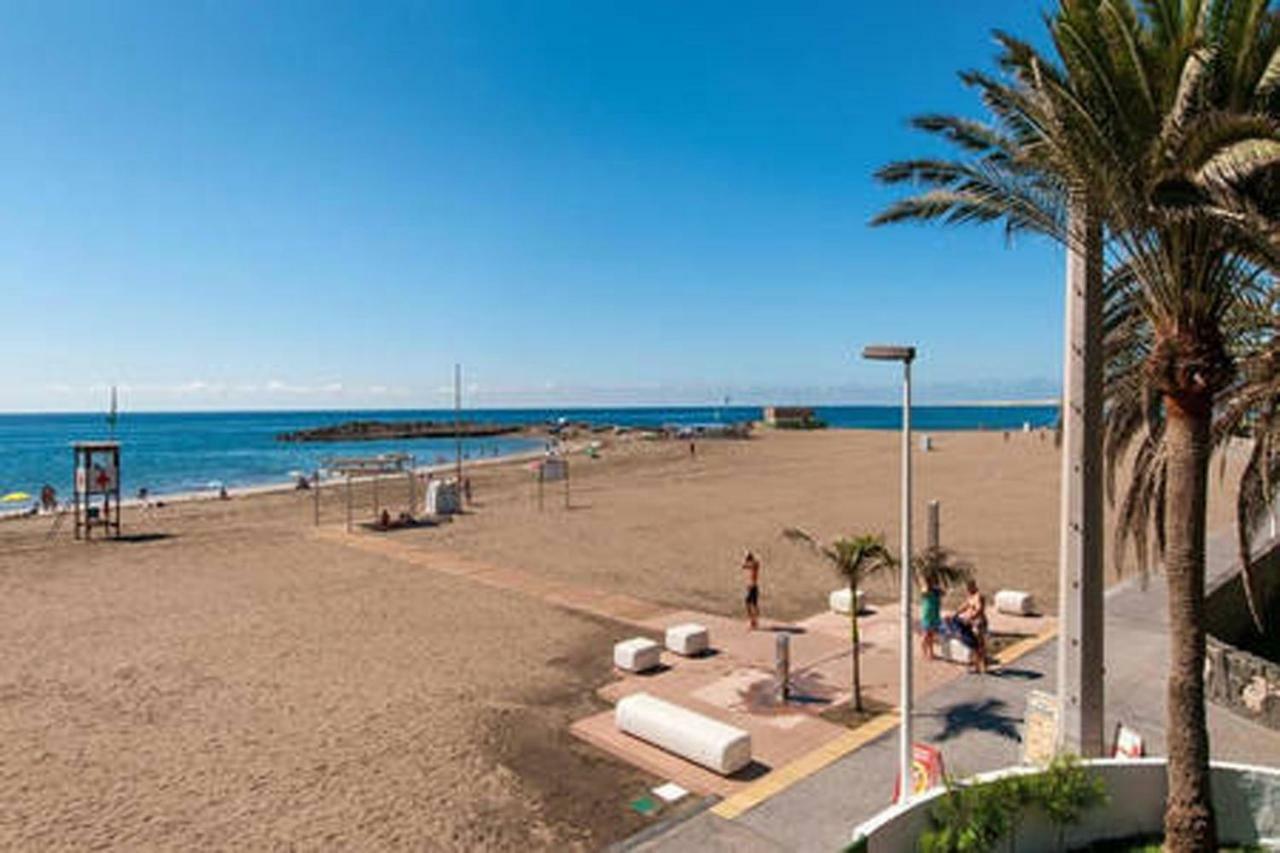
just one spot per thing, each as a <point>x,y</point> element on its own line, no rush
<point>906,355</point>
<point>933,533</point>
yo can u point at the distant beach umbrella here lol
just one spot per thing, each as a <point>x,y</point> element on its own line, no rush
<point>15,497</point>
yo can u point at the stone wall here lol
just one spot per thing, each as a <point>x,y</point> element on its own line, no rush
<point>1246,683</point>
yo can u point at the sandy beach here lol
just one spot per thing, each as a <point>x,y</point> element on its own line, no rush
<point>231,677</point>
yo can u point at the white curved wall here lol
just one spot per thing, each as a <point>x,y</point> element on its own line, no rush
<point>1246,800</point>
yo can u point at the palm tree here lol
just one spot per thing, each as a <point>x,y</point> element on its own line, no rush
<point>855,559</point>
<point>1091,149</point>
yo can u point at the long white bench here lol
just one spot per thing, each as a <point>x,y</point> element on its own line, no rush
<point>688,734</point>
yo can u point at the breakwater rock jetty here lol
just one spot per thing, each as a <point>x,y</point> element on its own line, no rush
<point>383,430</point>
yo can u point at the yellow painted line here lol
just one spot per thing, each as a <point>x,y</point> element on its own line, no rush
<point>1023,647</point>
<point>808,764</point>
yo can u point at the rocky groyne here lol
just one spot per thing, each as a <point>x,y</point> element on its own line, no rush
<point>388,430</point>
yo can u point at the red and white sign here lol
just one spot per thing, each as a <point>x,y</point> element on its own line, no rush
<point>1128,743</point>
<point>927,770</point>
<point>96,479</point>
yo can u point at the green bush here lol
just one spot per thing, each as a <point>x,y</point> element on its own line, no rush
<point>974,817</point>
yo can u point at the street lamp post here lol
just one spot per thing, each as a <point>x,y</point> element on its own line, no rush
<point>906,355</point>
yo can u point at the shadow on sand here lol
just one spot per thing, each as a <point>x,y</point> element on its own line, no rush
<point>139,538</point>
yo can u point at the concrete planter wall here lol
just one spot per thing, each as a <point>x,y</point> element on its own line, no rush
<point>1246,800</point>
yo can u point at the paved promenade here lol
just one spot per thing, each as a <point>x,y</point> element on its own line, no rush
<point>977,723</point>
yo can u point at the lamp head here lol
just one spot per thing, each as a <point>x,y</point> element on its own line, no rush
<point>886,352</point>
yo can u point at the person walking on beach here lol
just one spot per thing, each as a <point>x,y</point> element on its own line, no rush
<point>751,575</point>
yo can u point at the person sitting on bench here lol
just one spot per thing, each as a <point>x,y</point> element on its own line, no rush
<point>969,623</point>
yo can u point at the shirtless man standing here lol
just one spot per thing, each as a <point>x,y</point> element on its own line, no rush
<point>751,574</point>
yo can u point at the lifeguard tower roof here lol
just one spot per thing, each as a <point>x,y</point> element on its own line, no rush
<point>96,445</point>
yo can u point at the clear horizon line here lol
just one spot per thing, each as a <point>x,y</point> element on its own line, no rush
<point>1040,402</point>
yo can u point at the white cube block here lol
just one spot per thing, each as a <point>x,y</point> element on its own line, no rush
<point>1015,602</point>
<point>637,654</point>
<point>710,743</point>
<point>688,639</point>
<point>838,600</point>
<point>954,649</point>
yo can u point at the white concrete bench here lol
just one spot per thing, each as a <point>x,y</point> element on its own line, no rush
<point>838,600</point>
<point>1014,602</point>
<point>688,639</point>
<point>688,734</point>
<point>637,654</point>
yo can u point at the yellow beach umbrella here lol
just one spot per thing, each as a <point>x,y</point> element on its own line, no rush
<point>15,497</point>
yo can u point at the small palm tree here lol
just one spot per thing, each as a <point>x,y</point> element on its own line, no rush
<point>855,559</point>
<point>940,567</point>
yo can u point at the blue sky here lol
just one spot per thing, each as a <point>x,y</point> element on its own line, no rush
<point>308,204</point>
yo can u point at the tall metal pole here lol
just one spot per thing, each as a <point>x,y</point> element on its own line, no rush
<point>904,701</point>
<point>1080,560</point>
<point>457,422</point>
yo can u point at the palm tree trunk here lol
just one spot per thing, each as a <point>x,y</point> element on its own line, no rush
<point>857,650</point>
<point>1188,819</point>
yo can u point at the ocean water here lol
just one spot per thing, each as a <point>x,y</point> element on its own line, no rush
<point>178,452</point>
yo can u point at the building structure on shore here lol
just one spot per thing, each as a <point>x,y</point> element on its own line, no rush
<point>791,417</point>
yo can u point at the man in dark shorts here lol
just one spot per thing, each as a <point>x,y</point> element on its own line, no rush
<point>751,574</point>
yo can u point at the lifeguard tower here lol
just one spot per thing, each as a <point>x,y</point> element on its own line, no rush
<point>97,487</point>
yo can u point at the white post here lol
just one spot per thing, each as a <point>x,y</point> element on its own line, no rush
<point>904,744</point>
